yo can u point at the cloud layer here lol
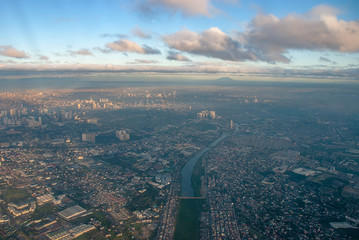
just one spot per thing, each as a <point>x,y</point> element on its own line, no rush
<point>268,38</point>
<point>9,51</point>
<point>205,68</point>
<point>143,61</point>
<point>124,45</point>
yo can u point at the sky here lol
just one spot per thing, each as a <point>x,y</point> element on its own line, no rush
<point>242,39</point>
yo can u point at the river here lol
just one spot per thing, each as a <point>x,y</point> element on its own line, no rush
<point>186,172</point>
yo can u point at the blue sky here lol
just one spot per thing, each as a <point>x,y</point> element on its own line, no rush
<point>309,39</point>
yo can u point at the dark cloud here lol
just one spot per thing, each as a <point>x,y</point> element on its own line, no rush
<point>149,50</point>
<point>141,34</point>
<point>145,10</point>
<point>324,59</point>
<point>113,35</point>
<point>176,56</point>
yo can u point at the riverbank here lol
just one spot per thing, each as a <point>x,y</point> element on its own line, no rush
<point>189,211</point>
<point>193,186</point>
<point>187,220</point>
<point>187,170</point>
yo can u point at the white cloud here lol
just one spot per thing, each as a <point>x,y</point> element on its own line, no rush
<point>320,29</point>
<point>124,45</point>
<point>143,61</point>
<point>83,51</point>
<point>211,43</point>
<point>9,51</point>
<point>323,10</point>
<point>268,38</point>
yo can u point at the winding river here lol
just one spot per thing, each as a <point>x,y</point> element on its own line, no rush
<point>186,186</point>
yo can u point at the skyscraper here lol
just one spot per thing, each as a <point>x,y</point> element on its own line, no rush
<point>122,135</point>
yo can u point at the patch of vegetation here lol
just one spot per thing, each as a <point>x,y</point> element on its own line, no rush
<point>351,233</point>
<point>102,218</point>
<point>187,220</point>
<point>107,139</point>
<point>204,126</point>
<point>44,210</point>
<point>141,201</point>
<point>15,195</point>
<point>266,173</point>
<point>117,159</point>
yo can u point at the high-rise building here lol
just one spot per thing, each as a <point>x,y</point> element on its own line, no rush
<point>88,137</point>
<point>212,114</point>
<point>92,120</point>
<point>122,135</point>
<point>13,112</point>
<point>206,115</point>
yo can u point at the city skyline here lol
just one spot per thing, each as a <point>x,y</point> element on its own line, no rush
<point>250,40</point>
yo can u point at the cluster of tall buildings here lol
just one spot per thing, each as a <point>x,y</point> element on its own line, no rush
<point>32,117</point>
<point>88,137</point>
<point>12,115</point>
<point>162,94</point>
<point>103,103</point>
<point>122,135</point>
<point>206,115</point>
<point>22,208</point>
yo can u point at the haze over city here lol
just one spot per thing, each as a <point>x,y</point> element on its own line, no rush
<point>178,119</point>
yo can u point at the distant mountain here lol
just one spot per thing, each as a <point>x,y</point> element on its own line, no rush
<point>225,81</point>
